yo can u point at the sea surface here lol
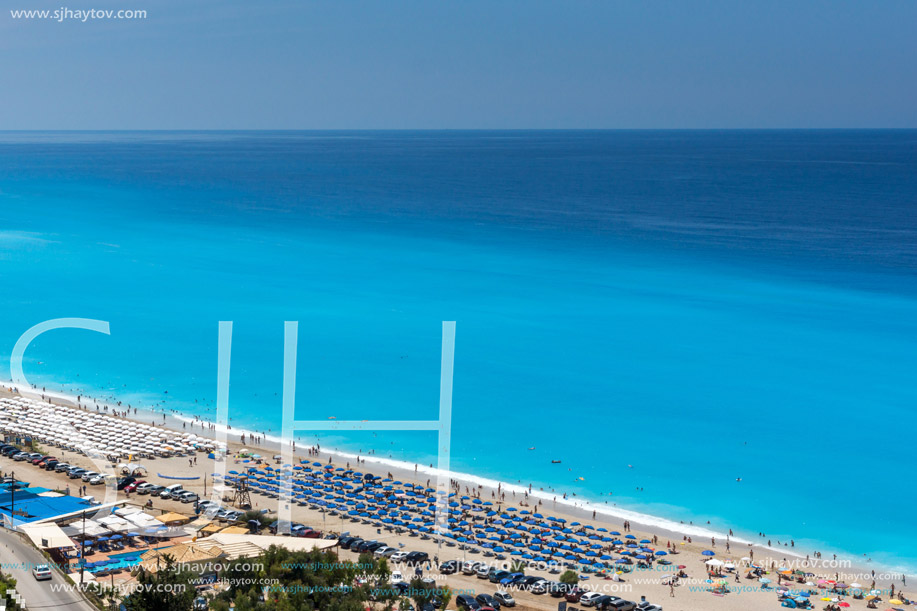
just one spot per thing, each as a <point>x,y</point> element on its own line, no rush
<point>665,312</point>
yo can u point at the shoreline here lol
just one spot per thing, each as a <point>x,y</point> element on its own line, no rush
<point>648,524</point>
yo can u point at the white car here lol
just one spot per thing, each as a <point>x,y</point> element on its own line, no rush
<point>168,491</point>
<point>144,488</point>
<point>382,551</point>
<point>89,475</point>
<point>211,511</point>
<point>396,577</point>
<point>588,599</point>
<point>539,587</point>
<point>41,572</point>
<point>97,479</point>
<point>398,556</point>
<point>504,598</point>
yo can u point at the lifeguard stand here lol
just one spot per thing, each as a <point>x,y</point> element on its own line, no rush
<point>242,497</point>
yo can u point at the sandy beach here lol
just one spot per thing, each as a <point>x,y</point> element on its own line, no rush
<point>690,595</point>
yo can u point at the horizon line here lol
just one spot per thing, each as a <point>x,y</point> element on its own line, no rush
<point>452,129</point>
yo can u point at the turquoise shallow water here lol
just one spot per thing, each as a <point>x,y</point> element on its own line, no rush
<point>701,306</point>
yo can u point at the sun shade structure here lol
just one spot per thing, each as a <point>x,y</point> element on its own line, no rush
<point>47,536</point>
<point>173,518</point>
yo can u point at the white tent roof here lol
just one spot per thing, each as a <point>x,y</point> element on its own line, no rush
<point>47,536</point>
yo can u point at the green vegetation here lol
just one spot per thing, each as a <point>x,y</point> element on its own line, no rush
<point>569,577</point>
<point>306,581</point>
<point>168,589</point>
<point>423,593</point>
<point>7,583</point>
<point>280,580</point>
<point>263,519</point>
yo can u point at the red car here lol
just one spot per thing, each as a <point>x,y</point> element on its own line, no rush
<point>40,459</point>
<point>44,461</point>
<point>574,594</point>
<point>133,485</point>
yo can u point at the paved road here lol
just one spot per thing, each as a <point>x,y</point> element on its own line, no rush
<point>18,557</point>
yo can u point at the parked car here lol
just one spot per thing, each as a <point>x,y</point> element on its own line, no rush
<point>88,475</point>
<point>98,479</point>
<point>37,460</point>
<point>482,571</point>
<point>188,497</point>
<point>574,594</point>
<point>132,487</point>
<point>467,603</point>
<point>10,451</point>
<point>619,604</point>
<point>486,600</point>
<point>448,567</point>
<point>362,546</point>
<point>41,572</point>
<point>62,466</point>
<point>211,511</point>
<point>603,602</point>
<point>125,481</point>
<point>76,473</point>
<point>415,558</point>
<point>588,599</point>
<point>398,557</point>
<point>539,586</point>
<point>49,465</point>
<point>498,576</point>
<point>504,598</point>
<point>153,490</point>
<point>20,456</point>
<point>512,579</point>
<point>169,490</point>
<point>345,541</point>
<point>380,551</point>
<point>353,544</point>
<point>43,463</point>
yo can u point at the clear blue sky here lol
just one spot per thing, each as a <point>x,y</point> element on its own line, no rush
<point>209,64</point>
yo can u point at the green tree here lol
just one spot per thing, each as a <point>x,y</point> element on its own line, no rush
<point>168,589</point>
<point>282,580</point>
<point>6,583</point>
<point>569,577</point>
<point>420,592</point>
<point>446,595</point>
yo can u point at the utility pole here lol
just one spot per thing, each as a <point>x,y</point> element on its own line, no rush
<point>83,549</point>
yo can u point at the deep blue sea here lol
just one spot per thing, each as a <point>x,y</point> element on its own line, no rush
<point>702,306</point>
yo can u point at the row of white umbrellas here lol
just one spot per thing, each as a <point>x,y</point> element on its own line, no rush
<point>95,434</point>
